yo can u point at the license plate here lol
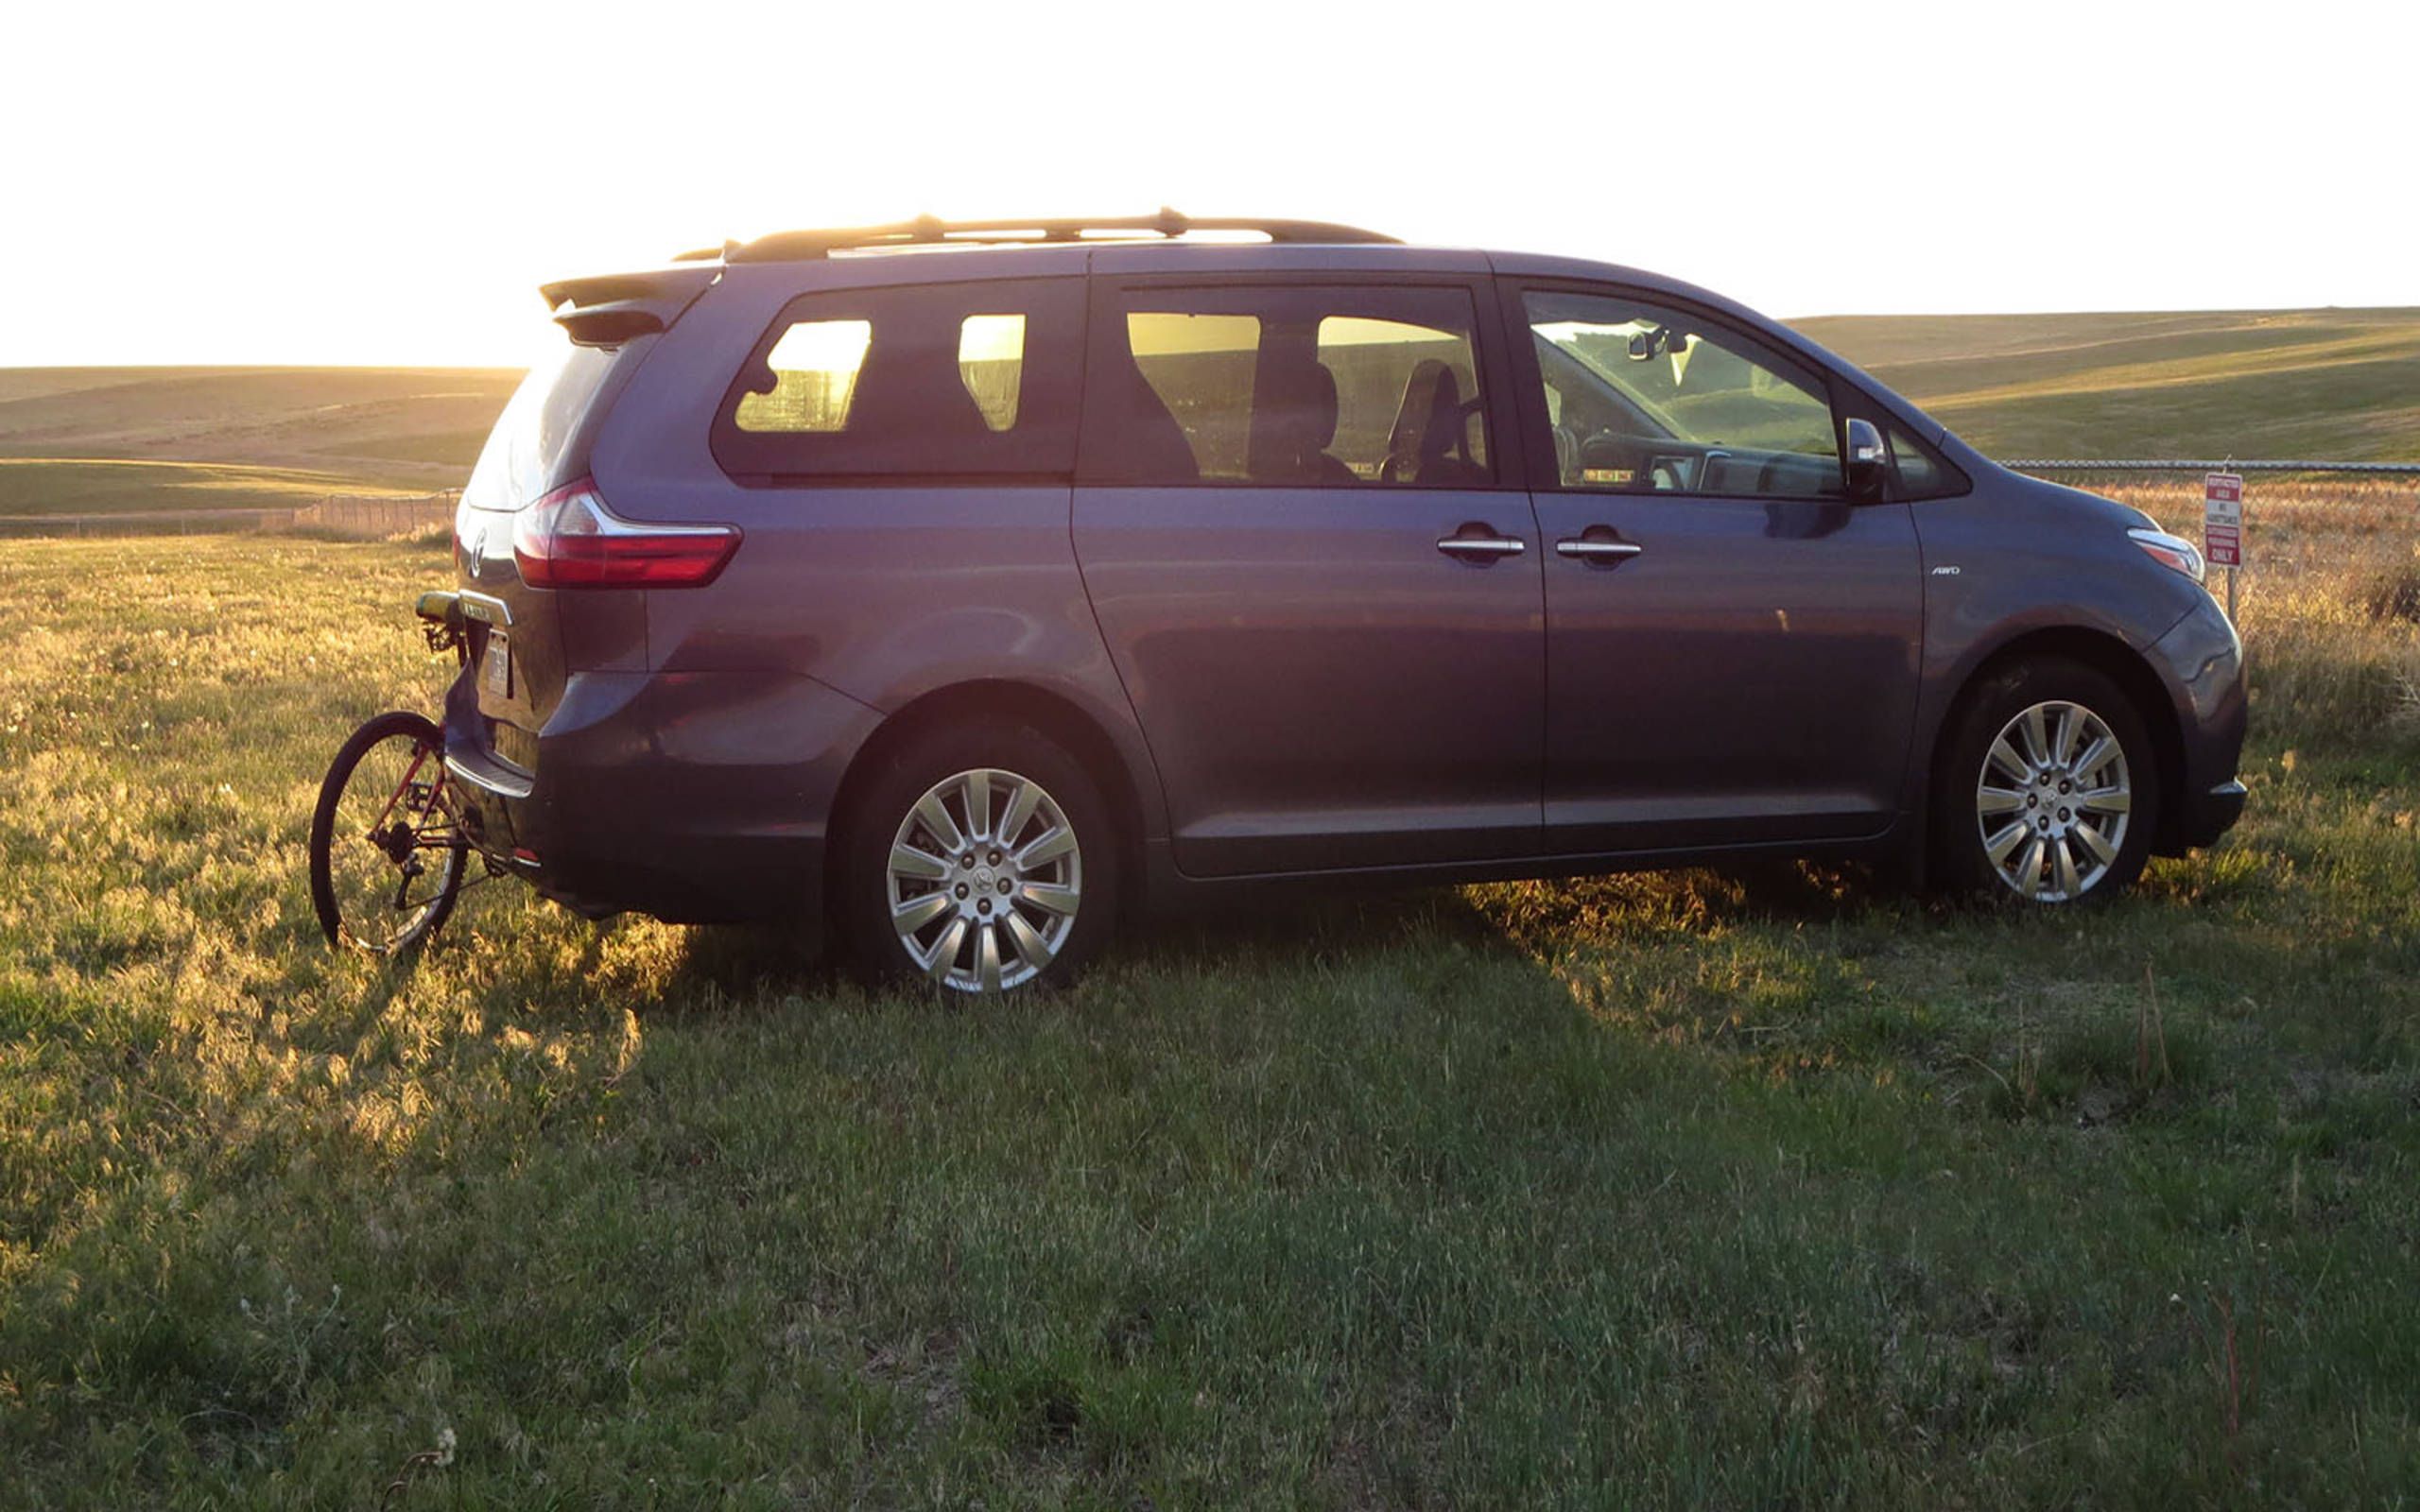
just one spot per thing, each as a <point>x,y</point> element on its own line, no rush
<point>495,673</point>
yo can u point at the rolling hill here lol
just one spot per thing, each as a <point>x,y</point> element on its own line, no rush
<point>2323,384</point>
<point>107,439</point>
<point>2329,385</point>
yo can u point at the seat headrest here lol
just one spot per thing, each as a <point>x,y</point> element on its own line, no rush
<point>1141,441</point>
<point>913,389</point>
<point>1428,422</point>
<point>1293,420</point>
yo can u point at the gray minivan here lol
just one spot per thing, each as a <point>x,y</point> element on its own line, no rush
<point>970,585</point>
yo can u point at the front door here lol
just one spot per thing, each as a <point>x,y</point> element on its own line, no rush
<point>1731,644</point>
<point>1319,588</point>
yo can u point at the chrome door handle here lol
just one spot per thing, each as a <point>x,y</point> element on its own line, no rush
<point>1483,548</point>
<point>1582,550</point>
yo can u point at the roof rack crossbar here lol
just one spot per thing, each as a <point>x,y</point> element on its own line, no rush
<point>928,230</point>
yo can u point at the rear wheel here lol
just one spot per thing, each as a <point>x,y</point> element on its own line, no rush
<point>386,856</point>
<point>2049,789</point>
<point>979,859</point>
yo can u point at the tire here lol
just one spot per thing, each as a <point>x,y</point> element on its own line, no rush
<point>912,908</point>
<point>1995,798</point>
<point>342,890</point>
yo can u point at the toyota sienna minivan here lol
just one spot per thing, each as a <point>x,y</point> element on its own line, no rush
<point>966,586</point>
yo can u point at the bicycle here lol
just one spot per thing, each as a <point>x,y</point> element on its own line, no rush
<point>389,849</point>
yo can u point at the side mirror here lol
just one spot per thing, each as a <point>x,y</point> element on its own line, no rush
<point>1867,467</point>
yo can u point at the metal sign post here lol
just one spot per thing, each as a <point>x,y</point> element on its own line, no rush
<point>2222,526</point>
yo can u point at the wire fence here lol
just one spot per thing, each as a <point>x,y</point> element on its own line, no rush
<point>372,517</point>
<point>353,517</point>
<point>2168,488</point>
<point>2302,523</point>
<point>2410,469</point>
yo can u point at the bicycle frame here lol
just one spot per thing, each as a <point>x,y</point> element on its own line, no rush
<point>436,804</point>
<point>447,628</point>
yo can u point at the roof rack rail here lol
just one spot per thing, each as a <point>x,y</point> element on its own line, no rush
<point>928,230</point>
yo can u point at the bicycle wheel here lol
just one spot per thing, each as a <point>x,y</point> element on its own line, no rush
<point>386,856</point>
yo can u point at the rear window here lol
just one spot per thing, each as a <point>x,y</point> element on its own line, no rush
<point>953,380</point>
<point>530,451</point>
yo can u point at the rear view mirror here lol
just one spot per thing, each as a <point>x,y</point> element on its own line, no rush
<point>1656,342</point>
<point>1866,467</point>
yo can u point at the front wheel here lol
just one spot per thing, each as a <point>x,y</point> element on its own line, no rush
<point>2048,790</point>
<point>386,856</point>
<point>979,859</point>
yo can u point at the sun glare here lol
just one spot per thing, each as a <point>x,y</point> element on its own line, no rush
<point>294,183</point>
<point>822,346</point>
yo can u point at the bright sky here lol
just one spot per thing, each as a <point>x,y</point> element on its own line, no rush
<point>367,184</point>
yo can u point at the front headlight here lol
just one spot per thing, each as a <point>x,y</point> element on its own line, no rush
<point>2172,550</point>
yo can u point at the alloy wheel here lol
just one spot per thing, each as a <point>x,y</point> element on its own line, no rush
<point>2052,801</point>
<point>984,880</point>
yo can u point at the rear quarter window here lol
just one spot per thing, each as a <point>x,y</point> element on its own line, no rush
<point>947,380</point>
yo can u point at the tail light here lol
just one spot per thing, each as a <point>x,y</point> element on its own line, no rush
<point>569,539</point>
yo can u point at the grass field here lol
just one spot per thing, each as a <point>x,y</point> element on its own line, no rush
<point>2329,385</point>
<point>1678,1191</point>
<point>68,486</point>
<point>106,441</point>
<point>1761,1191</point>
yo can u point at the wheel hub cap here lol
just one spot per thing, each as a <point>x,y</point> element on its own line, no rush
<point>985,879</point>
<point>2052,801</point>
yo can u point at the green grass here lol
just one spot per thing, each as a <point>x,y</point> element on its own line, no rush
<point>1662,1190</point>
<point>2329,385</point>
<point>104,486</point>
<point>454,448</point>
<point>76,440</point>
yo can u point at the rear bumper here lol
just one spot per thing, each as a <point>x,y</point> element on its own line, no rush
<point>2202,659</point>
<point>696,797</point>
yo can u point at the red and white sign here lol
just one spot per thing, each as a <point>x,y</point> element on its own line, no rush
<point>2222,519</point>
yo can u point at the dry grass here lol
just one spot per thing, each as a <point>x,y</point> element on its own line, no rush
<point>2329,602</point>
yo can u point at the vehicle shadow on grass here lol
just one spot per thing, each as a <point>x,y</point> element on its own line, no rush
<point>725,964</point>
<point>1536,924</point>
<point>1297,927</point>
<point>724,967</point>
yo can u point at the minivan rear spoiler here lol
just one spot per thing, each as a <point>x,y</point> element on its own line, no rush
<point>608,309</point>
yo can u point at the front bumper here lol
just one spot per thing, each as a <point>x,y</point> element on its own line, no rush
<point>2202,660</point>
<point>2207,815</point>
<point>696,797</point>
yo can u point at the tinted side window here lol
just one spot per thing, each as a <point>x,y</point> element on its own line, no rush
<point>930,381</point>
<point>815,366</point>
<point>1647,399</point>
<point>1201,368</point>
<point>1286,385</point>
